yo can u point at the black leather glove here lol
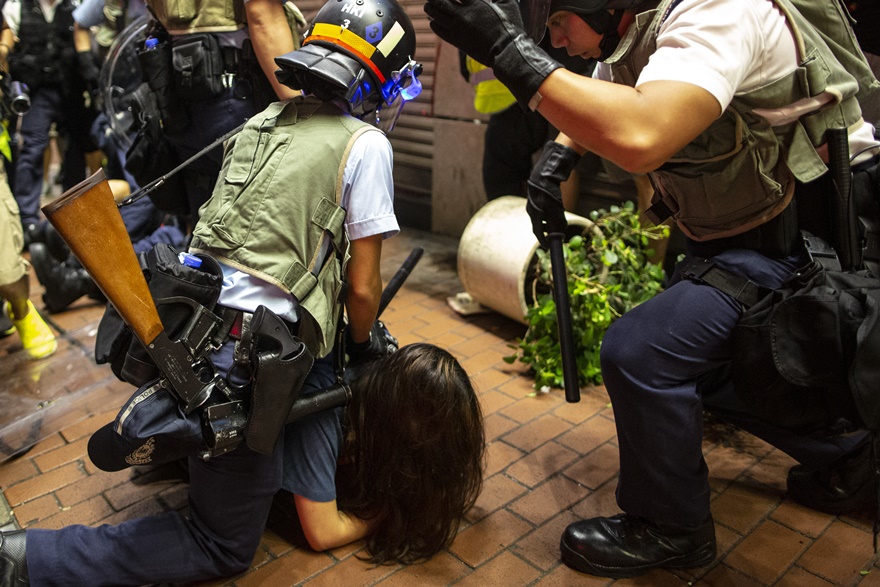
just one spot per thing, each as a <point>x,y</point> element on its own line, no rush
<point>491,31</point>
<point>545,195</point>
<point>379,344</point>
<point>87,68</point>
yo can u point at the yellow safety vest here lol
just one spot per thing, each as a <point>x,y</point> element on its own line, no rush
<point>490,95</point>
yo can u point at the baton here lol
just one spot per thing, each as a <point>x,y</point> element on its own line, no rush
<point>339,394</point>
<point>563,318</point>
<point>843,210</point>
<point>398,279</point>
<point>156,183</point>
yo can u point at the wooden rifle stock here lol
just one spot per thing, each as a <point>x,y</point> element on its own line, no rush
<point>88,220</point>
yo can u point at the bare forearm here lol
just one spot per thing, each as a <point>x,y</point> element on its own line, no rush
<point>82,39</point>
<point>327,527</point>
<point>638,129</point>
<point>7,43</point>
<point>271,37</point>
<point>361,307</point>
<point>365,286</point>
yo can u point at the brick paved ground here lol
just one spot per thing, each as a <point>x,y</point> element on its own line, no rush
<point>549,463</point>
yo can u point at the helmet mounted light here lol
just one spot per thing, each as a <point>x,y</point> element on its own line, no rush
<point>375,38</point>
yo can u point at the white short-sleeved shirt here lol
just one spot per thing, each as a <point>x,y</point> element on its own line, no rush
<point>730,47</point>
<point>368,198</point>
<point>12,12</point>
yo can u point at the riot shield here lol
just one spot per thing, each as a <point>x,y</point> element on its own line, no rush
<point>120,77</point>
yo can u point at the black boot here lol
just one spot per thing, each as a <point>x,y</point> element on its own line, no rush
<point>56,244</point>
<point>34,233</point>
<point>6,327</point>
<point>628,546</point>
<point>13,563</point>
<point>845,485</point>
<point>64,284</point>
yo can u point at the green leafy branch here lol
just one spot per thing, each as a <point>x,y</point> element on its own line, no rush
<point>608,274</point>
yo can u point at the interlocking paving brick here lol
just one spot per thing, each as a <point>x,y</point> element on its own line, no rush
<point>596,468</point>
<point>798,577</point>
<point>506,570</point>
<point>766,553</point>
<point>43,484</point>
<point>742,507</point>
<point>540,430</point>
<point>37,509</point>
<point>292,569</point>
<point>801,519</point>
<point>61,455</point>
<point>545,461</point>
<point>548,499</point>
<point>443,569</point>
<point>840,554</point>
<point>499,456</point>
<point>488,537</point>
<point>498,491</point>
<point>549,463</point>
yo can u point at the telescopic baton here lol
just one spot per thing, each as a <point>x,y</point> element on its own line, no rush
<point>563,318</point>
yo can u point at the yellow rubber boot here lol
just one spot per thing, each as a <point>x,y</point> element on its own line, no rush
<point>36,336</point>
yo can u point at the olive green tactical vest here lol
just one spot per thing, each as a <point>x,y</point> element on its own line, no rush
<point>181,17</point>
<point>278,194</point>
<point>739,173</point>
<point>184,17</point>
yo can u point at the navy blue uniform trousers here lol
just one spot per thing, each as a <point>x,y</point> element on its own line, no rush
<point>209,120</point>
<point>658,363</point>
<point>48,105</point>
<point>229,501</point>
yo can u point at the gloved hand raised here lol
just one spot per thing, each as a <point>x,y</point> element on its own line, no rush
<point>379,344</point>
<point>544,204</point>
<point>491,31</point>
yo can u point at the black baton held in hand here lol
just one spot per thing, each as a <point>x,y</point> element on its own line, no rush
<point>563,319</point>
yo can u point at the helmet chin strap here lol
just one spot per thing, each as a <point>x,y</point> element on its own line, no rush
<point>605,23</point>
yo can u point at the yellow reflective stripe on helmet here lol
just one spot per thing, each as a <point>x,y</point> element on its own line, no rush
<point>351,39</point>
<point>348,40</point>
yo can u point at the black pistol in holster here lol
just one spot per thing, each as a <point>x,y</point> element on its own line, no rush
<point>281,364</point>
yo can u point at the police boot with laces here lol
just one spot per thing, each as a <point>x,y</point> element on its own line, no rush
<point>845,485</point>
<point>628,546</point>
<point>13,562</point>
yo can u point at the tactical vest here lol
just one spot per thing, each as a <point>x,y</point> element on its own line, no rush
<point>278,195</point>
<point>44,54</point>
<point>182,17</point>
<point>490,95</point>
<point>739,173</point>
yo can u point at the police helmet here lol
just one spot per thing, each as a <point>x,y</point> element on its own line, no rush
<point>360,51</point>
<point>594,12</point>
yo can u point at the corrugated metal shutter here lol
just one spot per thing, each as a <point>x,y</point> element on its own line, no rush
<point>413,136</point>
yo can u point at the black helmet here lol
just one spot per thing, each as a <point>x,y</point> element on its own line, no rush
<point>358,50</point>
<point>594,12</point>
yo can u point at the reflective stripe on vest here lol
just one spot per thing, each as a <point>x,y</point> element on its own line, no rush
<point>490,95</point>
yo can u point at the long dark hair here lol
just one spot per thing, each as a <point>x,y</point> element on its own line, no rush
<point>416,439</point>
